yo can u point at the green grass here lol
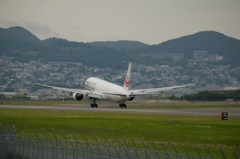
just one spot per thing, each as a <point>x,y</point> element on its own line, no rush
<point>149,127</point>
<point>192,131</point>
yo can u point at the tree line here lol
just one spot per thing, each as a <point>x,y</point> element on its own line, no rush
<point>210,96</point>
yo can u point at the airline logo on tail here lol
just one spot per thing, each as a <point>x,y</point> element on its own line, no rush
<point>127,82</point>
<point>127,79</point>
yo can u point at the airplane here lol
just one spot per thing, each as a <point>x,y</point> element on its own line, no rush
<point>96,88</point>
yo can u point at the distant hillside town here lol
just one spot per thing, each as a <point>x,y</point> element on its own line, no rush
<point>18,77</point>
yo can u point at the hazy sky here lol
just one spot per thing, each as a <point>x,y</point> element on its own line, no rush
<point>148,21</point>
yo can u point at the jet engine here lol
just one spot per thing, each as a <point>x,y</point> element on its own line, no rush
<point>78,96</point>
<point>131,98</point>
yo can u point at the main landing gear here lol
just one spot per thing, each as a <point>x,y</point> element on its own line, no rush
<point>122,105</point>
<point>94,105</point>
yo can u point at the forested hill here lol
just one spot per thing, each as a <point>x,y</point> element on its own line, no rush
<point>210,41</point>
<point>18,34</point>
<point>123,45</point>
<point>20,43</point>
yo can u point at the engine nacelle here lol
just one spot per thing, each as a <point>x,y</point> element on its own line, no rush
<point>131,98</point>
<point>78,96</point>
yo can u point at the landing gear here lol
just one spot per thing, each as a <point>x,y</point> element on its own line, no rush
<point>94,105</point>
<point>122,105</point>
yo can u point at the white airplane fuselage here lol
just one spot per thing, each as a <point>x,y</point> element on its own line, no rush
<point>107,90</point>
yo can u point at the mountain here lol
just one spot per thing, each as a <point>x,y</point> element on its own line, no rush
<point>120,45</point>
<point>19,34</point>
<point>210,41</point>
<point>63,50</point>
<point>20,43</point>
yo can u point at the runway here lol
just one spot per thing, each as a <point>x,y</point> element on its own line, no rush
<point>232,112</point>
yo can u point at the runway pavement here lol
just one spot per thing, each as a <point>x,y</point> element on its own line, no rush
<point>232,112</point>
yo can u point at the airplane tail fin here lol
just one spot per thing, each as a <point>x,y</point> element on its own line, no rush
<point>127,79</point>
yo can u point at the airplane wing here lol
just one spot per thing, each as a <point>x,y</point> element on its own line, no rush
<point>81,91</point>
<point>155,90</point>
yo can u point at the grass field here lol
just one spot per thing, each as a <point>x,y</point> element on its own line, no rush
<point>193,131</point>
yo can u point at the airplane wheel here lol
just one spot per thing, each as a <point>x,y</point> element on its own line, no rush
<point>122,105</point>
<point>94,105</point>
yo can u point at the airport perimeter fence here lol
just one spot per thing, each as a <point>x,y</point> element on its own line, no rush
<point>14,145</point>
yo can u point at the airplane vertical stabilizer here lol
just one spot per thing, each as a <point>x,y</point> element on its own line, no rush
<point>126,84</point>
